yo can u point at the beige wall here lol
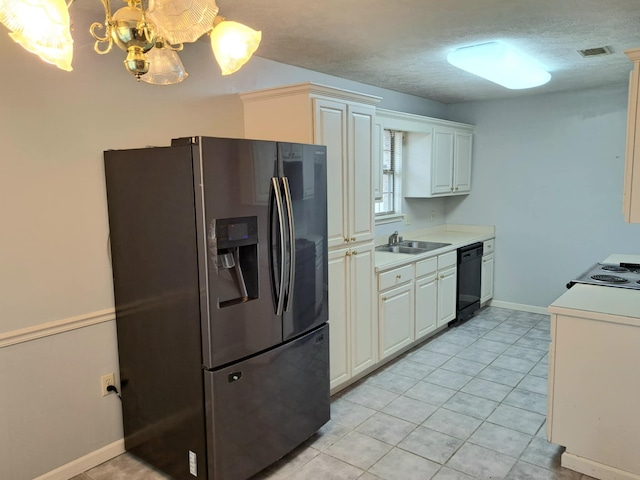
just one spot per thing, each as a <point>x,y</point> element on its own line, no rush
<point>54,266</point>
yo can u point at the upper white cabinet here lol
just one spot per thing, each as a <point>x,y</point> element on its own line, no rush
<point>341,120</point>
<point>631,197</point>
<point>438,154</point>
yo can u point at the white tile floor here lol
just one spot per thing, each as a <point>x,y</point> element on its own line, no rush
<point>468,403</point>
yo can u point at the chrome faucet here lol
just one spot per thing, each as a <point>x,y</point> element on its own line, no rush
<point>393,238</point>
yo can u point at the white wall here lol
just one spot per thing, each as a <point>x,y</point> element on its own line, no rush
<point>54,264</point>
<point>547,172</point>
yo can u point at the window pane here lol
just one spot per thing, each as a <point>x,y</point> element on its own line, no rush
<point>391,160</point>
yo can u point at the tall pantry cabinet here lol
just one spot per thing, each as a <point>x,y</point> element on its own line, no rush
<point>344,122</point>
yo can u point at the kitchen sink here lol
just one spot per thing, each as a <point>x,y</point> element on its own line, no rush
<point>423,245</point>
<point>400,249</point>
<point>413,247</point>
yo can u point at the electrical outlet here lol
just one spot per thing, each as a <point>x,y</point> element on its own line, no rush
<point>105,381</point>
<point>407,219</point>
<point>433,215</point>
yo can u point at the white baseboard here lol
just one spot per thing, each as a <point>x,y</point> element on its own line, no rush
<point>520,306</point>
<point>82,464</point>
<point>595,469</point>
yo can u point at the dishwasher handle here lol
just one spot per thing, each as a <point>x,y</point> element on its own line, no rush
<point>470,252</point>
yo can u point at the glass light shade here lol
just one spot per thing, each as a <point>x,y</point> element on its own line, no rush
<point>182,21</point>
<point>501,64</point>
<point>41,27</point>
<point>233,44</point>
<point>165,67</point>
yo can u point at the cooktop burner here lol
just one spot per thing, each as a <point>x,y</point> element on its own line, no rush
<point>609,278</point>
<point>614,268</point>
<point>608,275</point>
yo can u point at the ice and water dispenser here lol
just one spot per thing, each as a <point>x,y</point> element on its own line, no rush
<point>235,246</point>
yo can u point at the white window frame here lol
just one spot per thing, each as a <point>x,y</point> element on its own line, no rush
<point>396,215</point>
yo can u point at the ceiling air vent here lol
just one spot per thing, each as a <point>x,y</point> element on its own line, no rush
<point>595,52</point>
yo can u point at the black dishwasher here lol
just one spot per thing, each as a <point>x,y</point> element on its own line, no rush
<point>469,281</point>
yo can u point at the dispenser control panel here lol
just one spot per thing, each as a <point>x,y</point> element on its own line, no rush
<point>236,232</point>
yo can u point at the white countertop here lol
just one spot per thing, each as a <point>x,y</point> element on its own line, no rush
<point>587,299</point>
<point>602,301</point>
<point>457,235</point>
<point>618,258</point>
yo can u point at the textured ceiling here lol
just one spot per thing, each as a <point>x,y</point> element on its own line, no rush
<point>402,45</point>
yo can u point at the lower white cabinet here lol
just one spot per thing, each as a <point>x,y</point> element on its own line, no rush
<point>414,300</point>
<point>426,300</point>
<point>395,310</point>
<point>486,289</point>
<point>486,283</point>
<point>447,288</point>
<point>352,321</point>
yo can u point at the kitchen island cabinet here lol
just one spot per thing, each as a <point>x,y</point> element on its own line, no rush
<point>594,386</point>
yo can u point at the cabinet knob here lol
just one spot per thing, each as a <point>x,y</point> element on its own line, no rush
<point>353,239</point>
<point>398,276</point>
<point>456,188</point>
<point>346,239</point>
<point>355,252</point>
<point>348,254</point>
<point>384,299</point>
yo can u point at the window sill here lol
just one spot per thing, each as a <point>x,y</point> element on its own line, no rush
<point>393,218</point>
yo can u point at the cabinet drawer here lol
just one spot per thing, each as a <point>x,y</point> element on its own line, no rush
<point>395,277</point>
<point>447,259</point>
<point>425,267</point>
<point>487,246</point>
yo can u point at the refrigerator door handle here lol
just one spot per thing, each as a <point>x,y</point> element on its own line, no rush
<point>281,288</point>
<point>292,243</point>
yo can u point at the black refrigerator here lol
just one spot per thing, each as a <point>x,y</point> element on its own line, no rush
<point>219,256</point>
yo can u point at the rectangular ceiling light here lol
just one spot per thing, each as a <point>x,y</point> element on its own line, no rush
<point>501,64</point>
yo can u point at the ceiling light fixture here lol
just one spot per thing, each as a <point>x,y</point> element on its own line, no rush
<point>151,36</point>
<point>501,64</point>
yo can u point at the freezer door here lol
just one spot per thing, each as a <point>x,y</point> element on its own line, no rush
<point>239,314</point>
<point>304,183</point>
<point>262,408</point>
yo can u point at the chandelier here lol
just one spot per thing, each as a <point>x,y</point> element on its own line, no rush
<point>151,32</point>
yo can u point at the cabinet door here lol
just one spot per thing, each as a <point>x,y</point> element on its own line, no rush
<point>396,319</point>
<point>486,288</point>
<point>331,130</point>
<point>446,295</point>
<point>378,152</point>
<point>462,163</point>
<point>442,162</point>
<point>360,181</point>
<point>339,306</point>
<point>426,305</point>
<point>364,337</point>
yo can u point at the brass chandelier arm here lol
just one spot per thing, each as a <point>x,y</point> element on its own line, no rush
<point>95,26</point>
<point>99,40</point>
